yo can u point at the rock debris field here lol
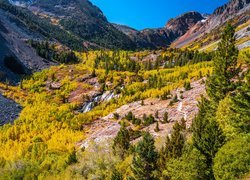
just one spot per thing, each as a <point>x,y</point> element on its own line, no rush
<point>106,128</point>
<point>9,110</point>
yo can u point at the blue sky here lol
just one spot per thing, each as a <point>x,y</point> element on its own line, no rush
<point>141,14</point>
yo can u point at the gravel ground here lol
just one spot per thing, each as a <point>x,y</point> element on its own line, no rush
<point>9,110</point>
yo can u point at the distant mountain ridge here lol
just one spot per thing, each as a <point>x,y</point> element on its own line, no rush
<point>162,37</point>
<point>235,11</point>
<point>89,28</point>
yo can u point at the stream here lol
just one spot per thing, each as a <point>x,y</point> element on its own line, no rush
<point>106,96</point>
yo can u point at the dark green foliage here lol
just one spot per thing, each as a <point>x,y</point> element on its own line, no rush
<point>165,118</point>
<point>121,143</point>
<point>157,129</point>
<point>207,136</point>
<point>47,51</point>
<point>116,116</point>
<point>116,175</point>
<point>145,158</point>
<point>155,82</point>
<point>173,147</point>
<point>165,95</point>
<point>233,160</point>
<point>241,107</point>
<point>183,124</point>
<point>72,159</point>
<point>136,121</point>
<point>116,62</point>
<point>43,26</point>
<point>187,86</point>
<point>148,120</point>
<point>182,57</point>
<point>157,114</point>
<point>174,100</point>
<point>189,166</point>
<point>134,134</point>
<point>129,116</point>
<point>220,83</point>
<point>93,73</point>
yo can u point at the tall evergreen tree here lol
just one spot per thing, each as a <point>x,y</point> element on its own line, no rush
<point>145,158</point>
<point>207,135</point>
<point>165,117</point>
<point>173,146</point>
<point>224,66</point>
<point>121,143</point>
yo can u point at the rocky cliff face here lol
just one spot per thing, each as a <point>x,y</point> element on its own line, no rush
<point>236,11</point>
<point>183,23</point>
<point>162,37</point>
<point>190,26</point>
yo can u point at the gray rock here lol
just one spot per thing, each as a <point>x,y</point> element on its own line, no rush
<point>9,110</point>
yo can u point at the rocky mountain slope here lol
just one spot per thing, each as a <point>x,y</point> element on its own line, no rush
<point>106,128</point>
<point>17,58</point>
<point>76,23</point>
<point>191,26</point>
<point>9,110</point>
<point>235,11</point>
<point>81,25</point>
<point>162,37</point>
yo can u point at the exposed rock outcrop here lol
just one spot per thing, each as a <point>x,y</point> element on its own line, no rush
<point>9,110</point>
<point>239,10</point>
<point>162,37</point>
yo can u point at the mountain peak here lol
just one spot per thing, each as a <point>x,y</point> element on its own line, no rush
<point>185,20</point>
<point>232,7</point>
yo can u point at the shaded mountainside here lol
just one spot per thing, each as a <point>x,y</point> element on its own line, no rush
<point>9,110</point>
<point>75,23</point>
<point>17,58</point>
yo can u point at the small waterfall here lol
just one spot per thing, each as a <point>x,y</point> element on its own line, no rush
<point>87,107</point>
<point>107,96</point>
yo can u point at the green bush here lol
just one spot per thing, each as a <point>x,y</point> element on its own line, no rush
<point>233,160</point>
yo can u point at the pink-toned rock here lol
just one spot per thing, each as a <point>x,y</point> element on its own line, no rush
<point>185,108</point>
<point>55,85</point>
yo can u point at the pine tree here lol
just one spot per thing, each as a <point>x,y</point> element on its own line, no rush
<point>177,141</point>
<point>72,157</point>
<point>165,117</point>
<point>187,86</point>
<point>145,158</point>
<point>121,143</point>
<point>157,129</point>
<point>116,175</point>
<point>183,124</point>
<point>240,107</point>
<point>207,135</point>
<point>164,154</point>
<point>224,66</point>
<point>173,146</point>
<point>157,114</point>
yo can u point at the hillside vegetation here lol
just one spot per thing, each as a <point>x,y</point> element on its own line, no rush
<point>43,143</point>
